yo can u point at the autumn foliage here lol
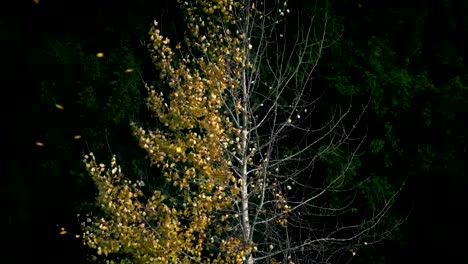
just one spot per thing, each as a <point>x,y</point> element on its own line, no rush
<point>235,92</point>
<point>194,223</point>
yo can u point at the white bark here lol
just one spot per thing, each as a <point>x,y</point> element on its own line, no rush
<point>272,107</point>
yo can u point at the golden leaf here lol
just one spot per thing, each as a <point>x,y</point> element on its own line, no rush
<point>100,55</point>
<point>59,106</point>
<point>39,144</point>
<point>77,137</point>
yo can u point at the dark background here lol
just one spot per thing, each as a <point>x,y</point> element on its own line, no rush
<point>408,57</point>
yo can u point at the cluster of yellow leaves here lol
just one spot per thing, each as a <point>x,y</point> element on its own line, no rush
<point>282,209</point>
<point>153,230</point>
<point>191,226</point>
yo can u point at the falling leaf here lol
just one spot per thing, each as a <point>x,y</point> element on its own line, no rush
<point>100,55</point>
<point>63,231</point>
<point>129,70</point>
<point>39,144</point>
<point>77,137</point>
<point>59,106</point>
<point>36,2</point>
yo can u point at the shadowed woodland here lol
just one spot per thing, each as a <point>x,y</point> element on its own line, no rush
<point>75,77</point>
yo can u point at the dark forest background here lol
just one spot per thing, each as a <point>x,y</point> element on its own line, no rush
<point>407,59</point>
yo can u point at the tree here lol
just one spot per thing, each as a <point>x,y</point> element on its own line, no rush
<point>238,92</point>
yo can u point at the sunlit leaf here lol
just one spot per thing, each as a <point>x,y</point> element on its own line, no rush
<point>129,70</point>
<point>39,144</point>
<point>100,55</point>
<point>77,137</point>
<point>59,106</point>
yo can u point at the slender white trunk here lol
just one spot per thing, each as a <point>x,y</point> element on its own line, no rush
<point>244,166</point>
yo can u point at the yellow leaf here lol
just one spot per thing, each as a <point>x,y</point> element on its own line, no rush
<point>179,149</point>
<point>129,70</point>
<point>39,144</point>
<point>77,137</point>
<point>100,55</point>
<point>36,2</point>
<point>63,231</point>
<point>59,106</point>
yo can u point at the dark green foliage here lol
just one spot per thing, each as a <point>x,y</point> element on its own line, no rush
<point>407,59</point>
